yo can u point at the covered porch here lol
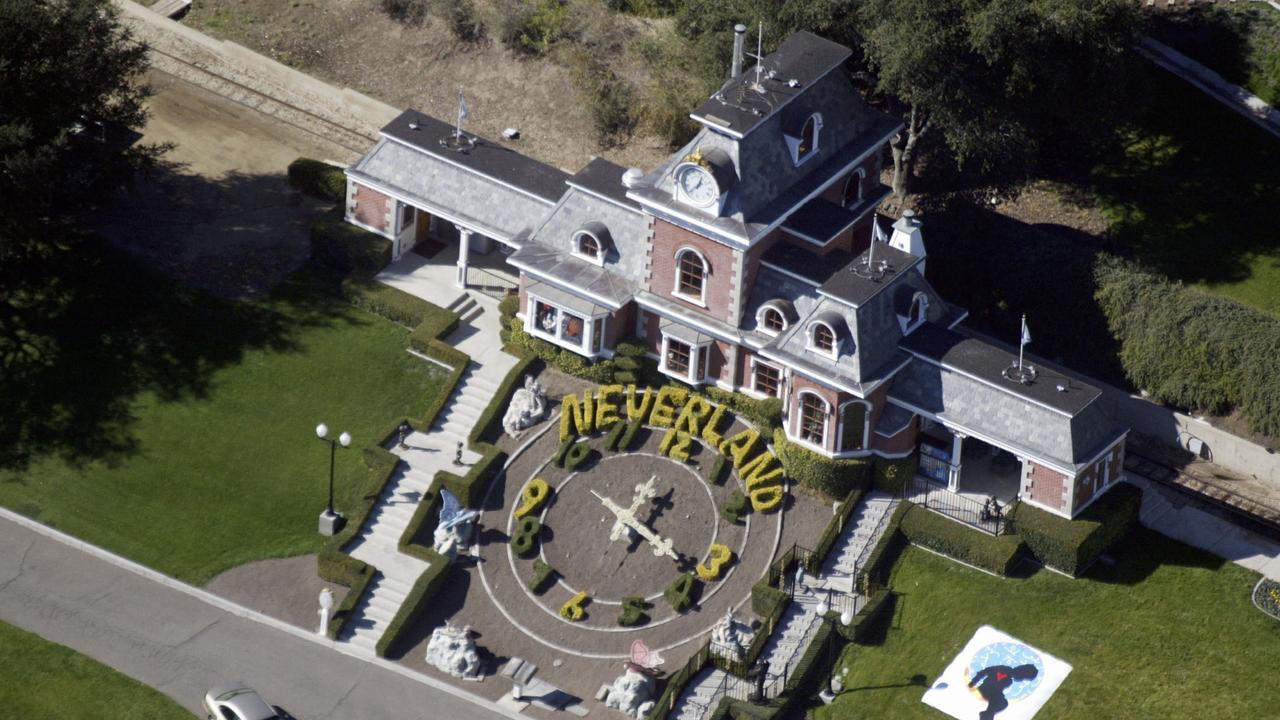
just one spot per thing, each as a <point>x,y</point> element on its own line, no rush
<point>965,478</point>
<point>443,273</point>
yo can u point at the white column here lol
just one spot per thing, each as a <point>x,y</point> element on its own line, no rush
<point>953,477</point>
<point>464,249</point>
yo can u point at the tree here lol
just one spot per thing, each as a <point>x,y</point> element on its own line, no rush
<point>1004,85</point>
<point>69,92</point>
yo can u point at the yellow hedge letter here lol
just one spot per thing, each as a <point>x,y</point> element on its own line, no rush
<point>639,411</point>
<point>606,411</point>
<point>691,417</point>
<point>740,446</point>
<point>533,496</point>
<point>573,610</point>
<point>710,431</point>
<point>719,557</point>
<point>669,398</point>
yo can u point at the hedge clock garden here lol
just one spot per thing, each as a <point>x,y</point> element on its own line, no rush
<point>638,513</point>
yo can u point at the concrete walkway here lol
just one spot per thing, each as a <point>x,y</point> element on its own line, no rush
<point>1212,84</point>
<point>180,640</point>
<point>1172,513</point>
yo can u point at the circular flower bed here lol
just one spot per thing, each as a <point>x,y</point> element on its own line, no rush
<point>1266,595</point>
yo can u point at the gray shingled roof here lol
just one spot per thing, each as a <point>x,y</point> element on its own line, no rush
<point>449,190</point>
<point>995,414</point>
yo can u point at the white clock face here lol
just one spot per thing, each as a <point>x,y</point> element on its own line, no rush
<point>698,186</point>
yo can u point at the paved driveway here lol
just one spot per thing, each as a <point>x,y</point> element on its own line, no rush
<point>180,645</point>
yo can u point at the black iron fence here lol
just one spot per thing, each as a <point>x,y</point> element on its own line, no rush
<point>490,283</point>
<point>986,515</point>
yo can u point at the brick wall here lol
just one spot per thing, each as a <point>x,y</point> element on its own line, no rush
<point>371,208</point>
<point>903,442</point>
<point>800,383</point>
<point>1091,482</point>
<point>718,283</point>
<point>1047,487</point>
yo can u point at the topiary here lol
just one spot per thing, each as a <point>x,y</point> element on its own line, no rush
<point>633,611</point>
<point>543,575</point>
<point>576,455</point>
<point>525,539</point>
<point>679,594</point>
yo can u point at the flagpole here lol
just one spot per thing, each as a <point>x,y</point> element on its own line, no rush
<point>457,127</point>
<point>1021,344</point>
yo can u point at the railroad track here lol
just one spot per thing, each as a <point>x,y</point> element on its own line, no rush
<point>355,141</point>
<point>1220,500</point>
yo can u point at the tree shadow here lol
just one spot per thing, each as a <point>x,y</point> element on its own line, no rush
<point>1141,552</point>
<point>108,326</point>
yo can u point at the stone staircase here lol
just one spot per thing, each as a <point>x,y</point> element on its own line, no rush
<point>467,307</point>
<point>800,622</point>
<point>426,454</point>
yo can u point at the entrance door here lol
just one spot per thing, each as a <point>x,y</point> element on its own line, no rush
<point>406,234</point>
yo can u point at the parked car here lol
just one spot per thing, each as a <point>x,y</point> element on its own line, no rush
<point>237,701</point>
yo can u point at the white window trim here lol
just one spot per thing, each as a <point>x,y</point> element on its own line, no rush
<point>861,175</point>
<point>756,362</point>
<point>866,427</point>
<point>799,421</point>
<point>834,352</point>
<point>905,320</point>
<point>701,300</point>
<point>599,258</point>
<point>793,143</point>
<point>764,327</point>
<point>695,352</point>
<point>531,327</point>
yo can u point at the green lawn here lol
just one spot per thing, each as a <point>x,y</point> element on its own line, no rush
<point>1169,632</point>
<point>46,681</point>
<point>210,408</point>
<point>1196,194</point>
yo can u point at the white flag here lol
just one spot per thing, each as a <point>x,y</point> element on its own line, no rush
<point>877,233</point>
<point>1026,333</point>
<point>463,113</point>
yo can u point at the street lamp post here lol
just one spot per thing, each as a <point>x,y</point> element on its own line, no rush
<point>330,519</point>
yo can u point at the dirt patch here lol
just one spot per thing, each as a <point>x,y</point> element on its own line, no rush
<point>286,589</point>
<point>353,43</point>
<point>220,216</point>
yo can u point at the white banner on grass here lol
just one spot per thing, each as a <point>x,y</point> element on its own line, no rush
<point>997,677</point>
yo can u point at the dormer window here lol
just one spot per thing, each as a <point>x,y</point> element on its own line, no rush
<point>591,243</point>
<point>823,338</point>
<point>691,274</point>
<point>805,145</point>
<point>919,304</point>
<point>772,321</point>
<point>853,187</point>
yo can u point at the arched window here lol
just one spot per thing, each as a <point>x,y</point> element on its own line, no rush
<point>691,274</point>
<point>824,338</point>
<point>773,321</point>
<point>813,419</point>
<point>853,426</point>
<point>588,246</point>
<point>853,187</point>
<point>809,137</point>
<point>919,304</point>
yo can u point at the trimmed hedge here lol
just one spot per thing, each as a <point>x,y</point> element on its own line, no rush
<point>933,531</point>
<point>765,414</point>
<point>318,179</point>
<point>346,249</point>
<point>680,593</point>
<point>524,541</point>
<point>576,454</point>
<point>890,476</point>
<point>615,434</point>
<point>717,475</point>
<point>735,507</point>
<point>885,554</point>
<point>1190,349</point>
<point>355,593</point>
<point>833,478</point>
<point>424,522</point>
<point>417,601</point>
<point>543,575</point>
<point>629,437</point>
<point>865,621</point>
<point>633,611</point>
<point>1071,546</point>
<point>489,425</point>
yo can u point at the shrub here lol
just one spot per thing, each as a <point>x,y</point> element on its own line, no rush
<point>525,539</point>
<point>409,12</point>
<point>735,507</point>
<point>346,249</point>
<point>629,437</point>
<point>833,478</point>
<point>543,577</point>
<point>343,613</point>
<point>679,594</point>
<point>1071,546</point>
<point>393,304</point>
<point>718,474</point>
<point>876,567</point>
<point>834,527</point>
<point>615,434</point>
<point>607,97</point>
<point>1190,349</point>
<point>891,476</point>
<point>508,307</point>
<point>766,599</point>
<point>633,611</point>
<point>935,532</point>
<point>531,26</point>
<point>574,610</point>
<point>576,455</point>
<point>415,603</point>
<point>422,525</point>
<point>765,414</point>
<point>631,348</point>
<point>718,559</point>
<point>461,17</point>
<point>559,457</point>
<point>319,179</point>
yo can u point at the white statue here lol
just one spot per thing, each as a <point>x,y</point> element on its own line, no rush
<point>452,650</point>
<point>454,531</point>
<point>325,611</point>
<point>528,406</point>
<point>631,693</point>
<point>627,522</point>
<point>728,639</point>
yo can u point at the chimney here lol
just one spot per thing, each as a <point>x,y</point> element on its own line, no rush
<point>907,236</point>
<point>739,34</point>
